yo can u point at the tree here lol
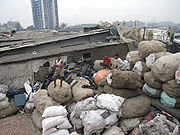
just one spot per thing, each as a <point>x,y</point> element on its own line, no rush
<point>63,25</point>
<point>31,27</point>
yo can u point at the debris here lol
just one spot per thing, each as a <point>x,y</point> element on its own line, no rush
<point>61,95</point>
<point>158,126</point>
<point>27,87</point>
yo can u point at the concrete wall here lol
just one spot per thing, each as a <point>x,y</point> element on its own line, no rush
<point>17,73</point>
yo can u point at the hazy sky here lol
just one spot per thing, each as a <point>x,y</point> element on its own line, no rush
<point>93,11</point>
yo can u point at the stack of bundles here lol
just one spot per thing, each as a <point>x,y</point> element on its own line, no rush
<point>102,112</point>
<point>165,70</point>
<point>95,114</point>
<point>4,101</point>
<point>55,121</point>
<point>41,101</point>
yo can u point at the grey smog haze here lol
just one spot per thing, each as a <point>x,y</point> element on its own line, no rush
<point>92,11</point>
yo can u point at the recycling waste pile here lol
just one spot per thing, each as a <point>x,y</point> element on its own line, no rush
<point>94,100</point>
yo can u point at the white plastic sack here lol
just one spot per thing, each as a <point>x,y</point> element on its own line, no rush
<point>52,122</point>
<point>29,106</point>
<point>95,121</point>
<point>27,87</point>
<point>148,90</point>
<point>65,124</point>
<point>128,57</point>
<point>74,133</point>
<point>109,78</point>
<point>129,124</point>
<point>150,60</point>
<point>4,104</point>
<point>84,105</point>
<point>52,111</point>
<point>61,132</point>
<point>126,65</point>
<point>114,130</point>
<point>2,96</point>
<point>92,121</point>
<point>49,131</point>
<point>3,88</point>
<point>138,68</point>
<point>177,75</point>
<point>31,97</point>
<point>110,102</point>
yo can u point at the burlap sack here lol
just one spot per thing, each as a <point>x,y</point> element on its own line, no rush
<point>133,57</point>
<point>125,93</point>
<point>37,119</point>
<point>149,79</point>
<point>125,79</point>
<point>60,94</point>
<point>160,54</point>
<point>164,68</point>
<point>135,34</point>
<point>42,100</point>
<point>11,109</point>
<point>171,88</point>
<point>135,107</point>
<point>80,93</point>
<point>97,66</point>
<point>145,48</point>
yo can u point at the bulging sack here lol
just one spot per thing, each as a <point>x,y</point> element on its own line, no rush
<point>110,102</point>
<point>145,48</point>
<point>4,104</point>
<point>164,68</point>
<point>52,111</point>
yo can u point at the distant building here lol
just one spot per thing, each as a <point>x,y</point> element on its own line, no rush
<point>45,14</point>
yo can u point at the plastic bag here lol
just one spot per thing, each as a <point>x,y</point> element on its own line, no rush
<point>151,91</point>
<point>167,101</point>
<point>177,75</point>
<point>150,60</point>
<point>3,88</point>
<point>65,124</point>
<point>4,104</point>
<point>52,111</point>
<point>100,75</point>
<point>52,122</point>
<point>2,96</point>
<point>138,68</point>
<point>27,87</point>
<point>109,78</point>
<point>110,102</point>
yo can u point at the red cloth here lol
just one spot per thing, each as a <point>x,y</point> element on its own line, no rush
<point>106,60</point>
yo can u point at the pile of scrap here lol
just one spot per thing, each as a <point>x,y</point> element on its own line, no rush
<point>107,101</point>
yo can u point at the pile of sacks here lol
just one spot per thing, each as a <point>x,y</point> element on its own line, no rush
<point>159,70</point>
<point>55,121</point>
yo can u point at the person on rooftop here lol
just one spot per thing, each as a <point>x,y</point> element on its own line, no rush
<point>59,70</point>
<point>120,63</point>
